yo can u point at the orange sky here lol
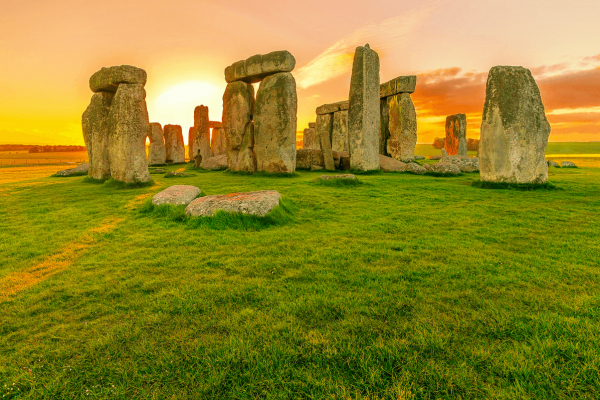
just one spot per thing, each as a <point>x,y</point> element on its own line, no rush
<point>48,50</point>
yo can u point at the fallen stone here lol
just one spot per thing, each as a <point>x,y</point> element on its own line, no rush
<point>157,171</point>
<point>109,79</point>
<point>307,158</point>
<point>176,195</point>
<point>81,169</point>
<point>415,168</point>
<point>401,84</point>
<point>419,157</point>
<point>333,107</point>
<point>175,148</point>
<point>443,168</point>
<point>465,163</point>
<point>363,111</point>
<point>330,177</point>
<point>157,153</point>
<point>324,130</point>
<point>402,137</point>
<point>254,203</point>
<point>553,164</point>
<point>96,133</point>
<point>128,125</point>
<point>568,164</point>
<point>238,105</point>
<point>388,164</point>
<point>218,141</point>
<point>215,163</point>
<point>456,135</point>
<point>178,174</point>
<point>514,128</point>
<point>339,135</point>
<point>275,122</point>
<point>258,67</point>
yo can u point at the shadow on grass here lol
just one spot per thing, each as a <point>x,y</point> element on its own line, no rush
<point>339,182</point>
<point>94,180</point>
<point>281,215</point>
<point>442,175</point>
<point>115,184</point>
<point>264,174</point>
<point>514,186</point>
<point>359,172</point>
<point>69,176</point>
<point>203,170</point>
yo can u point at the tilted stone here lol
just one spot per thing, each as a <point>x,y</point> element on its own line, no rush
<point>238,107</point>
<point>109,79</point>
<point>255,203</point>
<point>176,195</point>
<point>96,133</point>
<point>402,128</point>
<point>514,128</point>
<point>275,123</point>
<point>258,67</point>
<point>202,134</point>
<point>324,130</point>
<point>218,141</point>
<point>401,84</point>
<point>81,169</point>
<point>128,126</point>
<point>175,148</point>
<point>339,135</point>
<point>456,135</point>
<point>363,113</point>
<point>157,153</point>
<point>333,107</point>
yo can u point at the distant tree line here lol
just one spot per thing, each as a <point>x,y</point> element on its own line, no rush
<point>472,144</point>
<point>56,149</point>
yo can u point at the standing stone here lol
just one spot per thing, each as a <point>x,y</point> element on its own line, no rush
<point>238,108</point>
<point>94,122</point>
<point>157,154</point>
<point>202,142</point>
<point>364,114</point>
<point>308,140</point>
<point>218,141</point>
<point>324,129</point>
<point>275,122</point>
<point>456,135</point>
<point>129,125</point>
<point>192,143</point>
<point>514,128</point>
<point>339,135</point>
<point>174,144</point>
<point>402,128</point>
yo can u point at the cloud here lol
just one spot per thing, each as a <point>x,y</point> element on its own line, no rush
<point>337,59</point>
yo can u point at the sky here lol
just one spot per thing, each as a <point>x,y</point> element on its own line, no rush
<point>48,51</point>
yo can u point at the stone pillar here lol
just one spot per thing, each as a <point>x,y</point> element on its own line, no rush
<point>175,148</point>
<point>192,143</point>
<point>275,123</point>
<point>384,129</point>
<point>129,125</point>
<point>324,129</point>
<point>238,108</point>
<point>96,134</point>
<point>157,154</point>
<point>402,127</point>
<point>514,129</point>
<point>218,141</point>
<point>202,142</point>
<point>456,135</point>
<point>364,120</point>
<point>339,134</point>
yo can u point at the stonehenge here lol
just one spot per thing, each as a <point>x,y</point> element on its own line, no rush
<point>456,135</point>
<point>157,153</point>
<point>261,133</point>
<point>398,133</point>
<point>175,148</point>
<point>115,125</point>
<point>514,128</point>
<point>364,119</point>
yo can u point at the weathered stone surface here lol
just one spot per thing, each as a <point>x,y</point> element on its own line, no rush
<point>384,126</point>
<point>94,123</point>
<point>402,137</point>
<point>81,169</point>
<point>176,195</point>
<point>324,130</point>
<point>401,84</point>
<point>238,107</point>
<point>275,122</point>
<point>388,164</point>
<point>553,164</point>
<point>218,141</point>
<point>175,148</point>
<point>436,157</point>
<point>108,79</point>
<point>256,203</point>
<point>157,153</point>
<point>307,158</point>
<point>316,168</point>
<point>363,113</point>
<point>192,143</point>
<point>419,157</point>
<point>337,158</point>
<point>309,140</point>
<point>257,67</point>
<point>568,164</point>
<point>456,135</point>
<point>339,135</point>
<point>415,168</point>
<point>333,107</point>
<point>445,168</point>
<point>330,177</point>
<point>215,124</point>
<point>345,162</point>
<point>215,163</point>
<point>465,163</point>
<point>312,125</point>
<point>202,135</point>
<point>128,125</point>
<point>514,129</point>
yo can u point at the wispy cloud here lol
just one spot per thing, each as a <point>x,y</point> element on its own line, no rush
<point>388,34</point>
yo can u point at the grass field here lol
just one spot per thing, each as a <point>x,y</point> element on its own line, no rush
<point>404,287</point>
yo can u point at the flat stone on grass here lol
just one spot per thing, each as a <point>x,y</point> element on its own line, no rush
<point>255,203</point>
<point>344,176</point>
<point>568,164</point>
<point>176,195</point>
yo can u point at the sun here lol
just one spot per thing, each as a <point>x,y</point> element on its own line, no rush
<point>176,104</point>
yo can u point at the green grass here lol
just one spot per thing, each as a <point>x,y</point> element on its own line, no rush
<point>404,287</point>
<point>263,174</point>
<point>516,186</point>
